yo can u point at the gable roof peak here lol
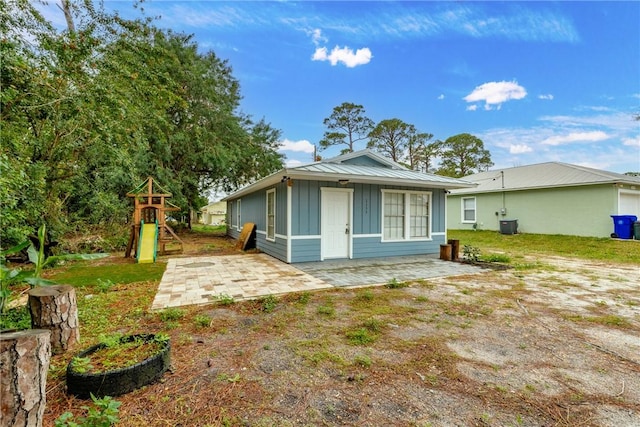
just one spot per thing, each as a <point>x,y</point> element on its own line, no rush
<point>365,153</point>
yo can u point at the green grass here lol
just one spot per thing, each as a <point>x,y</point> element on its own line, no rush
<point>592,248</point>
<point>212,229</point>
<point>84,274</point>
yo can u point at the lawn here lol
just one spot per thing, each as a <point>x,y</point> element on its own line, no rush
<point>591,248</point>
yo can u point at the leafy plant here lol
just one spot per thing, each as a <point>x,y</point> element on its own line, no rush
<point>104,413</point>
<point>81,364</point>
<point>224,299</point>
<point>110,340</point>
<point>327,310</point>
<point>269,303</point>
<point>202,321</point>
<point>470,253</point>
<point>361,336</point>
<point>363,360</point>
<point>497,258</point>
<point>104,285</point>
<point>395,284</point>
<point>304,298</point>
<point>17,318</point>
<point>8,276</point>
<point>169,314</point>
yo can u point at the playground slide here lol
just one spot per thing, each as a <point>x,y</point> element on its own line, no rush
<point>148,243</point>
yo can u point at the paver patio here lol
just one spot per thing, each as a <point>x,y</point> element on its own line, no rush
<point>199,280</point>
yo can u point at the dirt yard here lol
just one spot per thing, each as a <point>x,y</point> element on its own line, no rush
<point>554,342</point>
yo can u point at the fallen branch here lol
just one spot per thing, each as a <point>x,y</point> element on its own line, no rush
<point>522,306</point>
<point>613,353</point>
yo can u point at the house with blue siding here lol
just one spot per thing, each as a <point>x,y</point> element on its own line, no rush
<point>357,205</point>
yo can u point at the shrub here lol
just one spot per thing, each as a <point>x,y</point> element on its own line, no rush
<point>394,284</point>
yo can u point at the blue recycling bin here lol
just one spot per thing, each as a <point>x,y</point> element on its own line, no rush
<point>623,226</point>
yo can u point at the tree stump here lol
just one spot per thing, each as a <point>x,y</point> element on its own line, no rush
<point>55,308</point>
<point>455,249</point>
<point>445,252</point>
<point>24,362</point>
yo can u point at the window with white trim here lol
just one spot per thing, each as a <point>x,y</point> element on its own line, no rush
<point>405,215</point>
<point>468,209</point>
<point>271,215</point>
<point>232,216</point>
<point>238,210</point>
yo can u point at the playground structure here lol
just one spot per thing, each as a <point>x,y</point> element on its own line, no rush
<point>149,230</point>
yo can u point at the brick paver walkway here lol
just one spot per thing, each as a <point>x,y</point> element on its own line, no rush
<point>199,280</point>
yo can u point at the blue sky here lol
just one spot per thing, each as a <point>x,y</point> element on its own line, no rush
<point>536,81</point>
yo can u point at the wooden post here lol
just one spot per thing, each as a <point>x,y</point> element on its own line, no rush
<point>55,308</point>
<point>455,249</point>
<point>24,362</point>
<point>445,252</point>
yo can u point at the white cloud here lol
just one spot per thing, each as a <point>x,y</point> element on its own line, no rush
<point>473,107</point>
<point>632,142</point>
<point>292,163</point>
<point>496,93</point>
<point>317,37</point>
<point>302,146</point>
<point>592,136</point>
<point>343,54</point>
<point>441,96</point>
<point>547,96</point>
<point>519,149</point>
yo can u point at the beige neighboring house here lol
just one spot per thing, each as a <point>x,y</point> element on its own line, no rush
<point>214,213</point>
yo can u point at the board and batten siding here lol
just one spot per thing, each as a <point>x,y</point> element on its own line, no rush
<point>305,237</point>
<point>366,227</point>
<point>579,211</point>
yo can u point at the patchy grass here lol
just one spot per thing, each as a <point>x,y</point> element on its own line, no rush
<point>81,274</point>
<point>209,229</point>
<point>593,248</point>
<point>431,353</point>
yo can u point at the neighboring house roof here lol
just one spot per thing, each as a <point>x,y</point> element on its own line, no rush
<point>542,175</point>
<point>363,166</point>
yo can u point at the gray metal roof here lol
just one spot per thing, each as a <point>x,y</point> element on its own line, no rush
<point>542,175</point>
<point>377,174</point>
<point>388,173</point>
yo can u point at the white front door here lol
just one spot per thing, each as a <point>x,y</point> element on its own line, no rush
<point>336,223</point>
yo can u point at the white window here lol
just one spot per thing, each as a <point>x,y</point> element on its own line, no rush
<point>232,216</point>
<point>271,215</point>
<point>468,209</point>
<point>238,210</point>
<point>405,215</point>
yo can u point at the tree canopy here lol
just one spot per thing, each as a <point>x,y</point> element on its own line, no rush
<point>346,125</point>
<point>391,137</point>
<point>90,111</point>
<point>462,155</point>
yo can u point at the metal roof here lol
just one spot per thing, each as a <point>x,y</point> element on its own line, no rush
<point>542,175</point>
<point>388,173</point>
<point>377,174</point>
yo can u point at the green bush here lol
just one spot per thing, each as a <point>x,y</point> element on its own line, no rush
<point>104,413</point>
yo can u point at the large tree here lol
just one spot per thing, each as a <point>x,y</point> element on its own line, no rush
<point>346,125</point>
<point>90,111</point>
<point>419,150</point>
<point>391,137</point>
<point>463,155</point>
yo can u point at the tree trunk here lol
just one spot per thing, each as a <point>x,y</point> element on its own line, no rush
<point>55,308</point>
<point>24,362</point>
